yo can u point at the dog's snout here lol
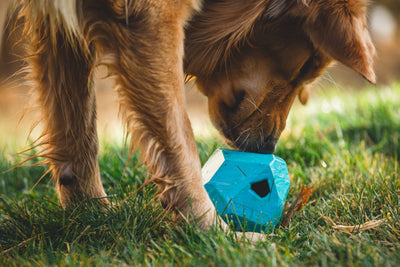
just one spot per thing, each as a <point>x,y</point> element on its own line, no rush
<point>269,145</point>
<point>255,144</point>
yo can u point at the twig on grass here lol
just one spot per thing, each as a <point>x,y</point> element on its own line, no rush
<point>302,198</point>
<point>352,228</point>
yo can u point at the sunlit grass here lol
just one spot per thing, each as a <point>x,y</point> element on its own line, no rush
<point>346,146</point>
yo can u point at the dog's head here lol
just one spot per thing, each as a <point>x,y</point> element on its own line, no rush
<point>252,58</point>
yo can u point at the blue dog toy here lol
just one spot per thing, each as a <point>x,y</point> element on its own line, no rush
<point>247,187</point>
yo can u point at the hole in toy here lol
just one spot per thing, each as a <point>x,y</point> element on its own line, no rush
<point>261,188</point>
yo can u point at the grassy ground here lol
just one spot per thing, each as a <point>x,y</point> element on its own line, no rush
<point>347,148</point>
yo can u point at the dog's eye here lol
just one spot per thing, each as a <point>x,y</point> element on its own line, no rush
<point>239,97</point>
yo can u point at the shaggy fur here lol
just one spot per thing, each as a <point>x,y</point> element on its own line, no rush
<point>251,58</point>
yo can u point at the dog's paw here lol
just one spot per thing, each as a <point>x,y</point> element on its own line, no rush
<point>211,219</point>
<point>72,190</point>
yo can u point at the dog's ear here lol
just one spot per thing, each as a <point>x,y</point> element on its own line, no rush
<point>339,29</point>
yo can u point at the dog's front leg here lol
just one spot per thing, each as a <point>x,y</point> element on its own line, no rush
<point>146,56</point>
<point>60,70</point>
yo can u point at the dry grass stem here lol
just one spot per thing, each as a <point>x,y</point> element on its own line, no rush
<point>359,227</point>
<point>302,198</point>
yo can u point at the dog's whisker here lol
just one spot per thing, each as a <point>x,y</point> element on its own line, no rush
<point>328,77</point>
<point>244,142</point>
<point>251,100</point>
<point>241,133</point>
<point>260,123</point>
<point>237,138</point>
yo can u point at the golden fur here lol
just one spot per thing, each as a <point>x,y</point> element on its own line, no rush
<point>251,58</point>
<point>252,61</point>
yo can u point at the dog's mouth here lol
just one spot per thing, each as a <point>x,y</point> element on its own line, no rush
<point>258,132</point>
<point>255,144</point>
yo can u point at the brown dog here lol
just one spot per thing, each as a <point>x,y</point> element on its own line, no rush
<point>251,59</point>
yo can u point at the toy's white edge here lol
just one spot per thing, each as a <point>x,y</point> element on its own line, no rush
<point>212,165</point>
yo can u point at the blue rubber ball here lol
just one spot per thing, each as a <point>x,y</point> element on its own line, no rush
<point>248,189</point>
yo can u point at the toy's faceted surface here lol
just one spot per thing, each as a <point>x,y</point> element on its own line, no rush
<point>247,186</point>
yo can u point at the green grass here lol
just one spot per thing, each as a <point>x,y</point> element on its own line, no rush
<point>347,148</point>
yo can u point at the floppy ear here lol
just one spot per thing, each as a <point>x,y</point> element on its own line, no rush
<point>339,29</point>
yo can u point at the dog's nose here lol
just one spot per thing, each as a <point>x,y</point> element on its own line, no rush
<point>253,145</point>
<point>269,145</point>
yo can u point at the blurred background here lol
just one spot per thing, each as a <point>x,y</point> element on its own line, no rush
<point>384,22</point>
